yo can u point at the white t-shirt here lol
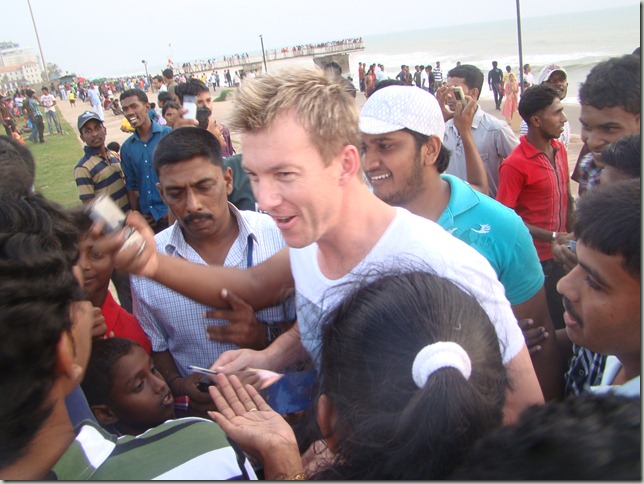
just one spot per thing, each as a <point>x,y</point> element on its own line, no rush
<point>410,240</point>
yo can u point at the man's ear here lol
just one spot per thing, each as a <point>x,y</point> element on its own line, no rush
<point>350,163</point>
<point>228,179</point>
<point>69,373</point>
<point>326,420</point>
<point>104,414</point>
<point>430,150</point>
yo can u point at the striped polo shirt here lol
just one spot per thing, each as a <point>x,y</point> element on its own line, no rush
<point>96,174</point>
<point>183,449</point>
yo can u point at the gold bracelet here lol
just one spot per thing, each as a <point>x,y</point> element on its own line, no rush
<point>297,477</point>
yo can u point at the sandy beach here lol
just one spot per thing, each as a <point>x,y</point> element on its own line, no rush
<point>224,109</point>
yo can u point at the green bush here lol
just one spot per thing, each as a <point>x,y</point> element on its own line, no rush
<point>222,96</point>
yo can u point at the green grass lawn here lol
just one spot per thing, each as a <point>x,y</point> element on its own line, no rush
<point>55,161</point>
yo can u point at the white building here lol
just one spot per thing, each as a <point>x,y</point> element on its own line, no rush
<point>18,66</point>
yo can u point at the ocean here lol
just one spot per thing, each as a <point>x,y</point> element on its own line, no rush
<point>575,41</point>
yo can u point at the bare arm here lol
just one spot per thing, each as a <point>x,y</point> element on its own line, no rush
<point>285,350</point>
<point>547,361</point>
<point>261,286</point>
<point>133,198</point>
<point>525,390</point>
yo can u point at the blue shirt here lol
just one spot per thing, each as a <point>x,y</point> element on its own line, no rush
<point>498,234</point>
<point>136,162</point>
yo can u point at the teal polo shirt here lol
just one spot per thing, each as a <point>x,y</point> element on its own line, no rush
<point>498,234</point>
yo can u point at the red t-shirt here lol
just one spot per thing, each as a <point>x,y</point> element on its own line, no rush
<point>530,185</point>
<point>123,324</point>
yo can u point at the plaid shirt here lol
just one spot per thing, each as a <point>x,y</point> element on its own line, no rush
<point>176,323</point>
<point>586,370</point>
<point>589,173</point>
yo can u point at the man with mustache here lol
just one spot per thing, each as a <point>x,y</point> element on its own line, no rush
<point>601,295</point>
<point>194,183</point>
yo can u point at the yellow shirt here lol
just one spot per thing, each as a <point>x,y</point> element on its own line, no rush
<point>125,124</point>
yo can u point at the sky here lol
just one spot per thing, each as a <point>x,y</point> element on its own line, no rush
<point>90,40</point>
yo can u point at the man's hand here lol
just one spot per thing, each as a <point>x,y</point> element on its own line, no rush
<point>464,115</point>
<point>236,360</point>
<point>98,324</point>
<point>260,431</point>
<point>533,336</point>
<point>563,254</point>
<point>244,329</point>
<point>199,400</point>
<point>137,258</point>
<point>441,97</point>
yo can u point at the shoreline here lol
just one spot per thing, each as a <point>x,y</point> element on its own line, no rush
<point>224,109</point>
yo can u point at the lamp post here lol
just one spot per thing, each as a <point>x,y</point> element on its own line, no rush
<point>147,76</point>
<point>261,38</point>
<point>44,63</point>
<point>520,48</point>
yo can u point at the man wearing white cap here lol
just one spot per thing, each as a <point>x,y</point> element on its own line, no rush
<point>398,129</point>
<point>300,138</point>
<point>556,77</point>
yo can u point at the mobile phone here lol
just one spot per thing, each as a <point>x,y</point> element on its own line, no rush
<point>104,209</point>
<point>459,95</point>
<point>190,103</point>
<point>203,371</point>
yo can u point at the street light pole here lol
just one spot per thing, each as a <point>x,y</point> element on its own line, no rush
<point>520,48</point>
<point>261,38</point>
<point>44,63</point>
<point>147,76</point>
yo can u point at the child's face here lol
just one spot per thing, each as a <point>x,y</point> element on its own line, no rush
<point>95,266</point>
<point>140,397</point>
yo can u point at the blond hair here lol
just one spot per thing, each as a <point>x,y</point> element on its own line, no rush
<point>321,105</point>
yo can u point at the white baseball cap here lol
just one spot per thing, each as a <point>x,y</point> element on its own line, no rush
<point>393,108</point>
<point>547,71</point>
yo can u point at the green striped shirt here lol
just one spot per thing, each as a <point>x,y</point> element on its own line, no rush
<point>182,449</point>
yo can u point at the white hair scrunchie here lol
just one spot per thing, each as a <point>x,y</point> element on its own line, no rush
<point>442,354</point>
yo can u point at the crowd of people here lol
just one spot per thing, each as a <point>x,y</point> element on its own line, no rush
<point>428,298</point>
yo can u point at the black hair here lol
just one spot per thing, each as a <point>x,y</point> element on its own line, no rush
<point>141,96</point>
<point>585,437</point>
<point>168,73</point>
<point>625,154</point>
<point>37,252</point>
<point>472,76</point>
<point>158,78</point>
<point>386,83</point>
<point>17,167</point>
<point>169,105</point>
<point>184,144</point>
<point>608,219</point>
<point>164,97</point>
<point>153,105</point>
<point>386,427</point>
<point>192,86</point>
<point>114,146</point>
<point>99,375</point>
<point>495,63</point>
<point>615,82</point>
<point>536,98</point>
<point>442,160</point>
